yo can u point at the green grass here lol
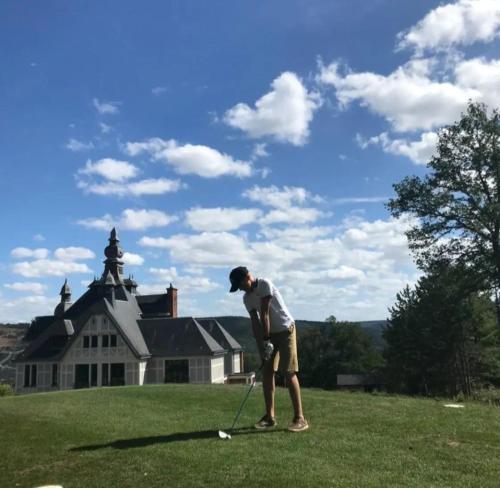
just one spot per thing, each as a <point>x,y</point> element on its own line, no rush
<point>166,436</point>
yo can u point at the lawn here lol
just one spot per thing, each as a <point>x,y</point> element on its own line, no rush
<point>166,436</point>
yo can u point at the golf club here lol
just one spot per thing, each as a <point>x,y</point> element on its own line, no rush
<point>225,435</point>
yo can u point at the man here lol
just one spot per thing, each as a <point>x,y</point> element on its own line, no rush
<point>274,331</point>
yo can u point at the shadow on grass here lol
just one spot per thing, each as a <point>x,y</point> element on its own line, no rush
<point>163,439</point>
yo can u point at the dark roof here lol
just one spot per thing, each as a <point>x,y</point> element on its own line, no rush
<point>38,326</point>
<point>221,335</point>
<point>183,336</point>
<point>153,305</point>
<point>50,344</point>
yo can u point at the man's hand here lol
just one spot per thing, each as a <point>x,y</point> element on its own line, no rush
<point>268,350</point>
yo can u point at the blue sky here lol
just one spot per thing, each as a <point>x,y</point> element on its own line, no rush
<point>217,134</point>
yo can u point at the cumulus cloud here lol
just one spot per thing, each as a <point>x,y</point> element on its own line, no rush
<point>76,145</point>
<point>132,259</point>
<point>73,253</point>
<point>110,169</point>
<point>188,284</point>
<point>106,108</point>
<point>200,160</point>
<point>409,99</point>
<point>48,267</point>
<point>24,252</point>
<point>23,309</point>
<point>419,151</point>
<point>461,23</point>
<point>207,248</point>
<point>130,219</point>
<point>284,113</point>
<point>353,270</point>
<point>30,286</point>
<point>221,219</point>
<point>150,186</point>
<point>292,215</point>
<point>284,198</point>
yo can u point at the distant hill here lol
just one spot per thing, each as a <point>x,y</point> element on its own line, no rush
<point>240,328</point>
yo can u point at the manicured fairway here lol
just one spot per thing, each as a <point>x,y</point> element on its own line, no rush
<point>166,436</point>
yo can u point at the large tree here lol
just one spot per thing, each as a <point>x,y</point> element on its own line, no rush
<point>457,205</point>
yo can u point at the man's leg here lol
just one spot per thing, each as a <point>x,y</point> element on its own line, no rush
<point>269,387</point>
<point>294,389</point>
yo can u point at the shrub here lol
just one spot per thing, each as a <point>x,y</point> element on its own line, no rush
<point>6,390</point>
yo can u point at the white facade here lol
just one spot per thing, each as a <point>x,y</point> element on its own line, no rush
<point>101,357</point>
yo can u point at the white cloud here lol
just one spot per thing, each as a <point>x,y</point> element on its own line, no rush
<point>48,267</point>
<point>352,271</point>
<point>408,98</point>
<point>342,201</point>
<point>73,253</point>
<point>292,215</point>
<point>419,152</point>
<point>284,113</point>
<point>106,108</point>
<point>188,284</point>
<point>150,186</point>
<point>283,198</point>
<point>130,219</point>
<point>76,145</point>
<point>221,219</point>
<point>158,90</point>
<point>38,238</point>
<point>24,252</point>
<point>461,23</point>
<point>23,309</point>
<point>259,151</point>
<point>105,128</point>
<point>133,259</point>
<point>207,248</point>
<point>201,160</point>
<point>111,169</point>
<point>32,287</point>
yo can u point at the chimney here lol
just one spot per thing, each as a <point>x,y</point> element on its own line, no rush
<point>172,301</point>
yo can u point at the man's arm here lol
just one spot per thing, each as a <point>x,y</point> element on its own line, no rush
<point>265,304</point>
<point>257,330</point>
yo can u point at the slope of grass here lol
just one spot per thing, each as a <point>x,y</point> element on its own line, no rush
<point>166,435</point>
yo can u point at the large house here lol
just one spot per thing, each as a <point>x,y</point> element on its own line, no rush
<point>112,335</point>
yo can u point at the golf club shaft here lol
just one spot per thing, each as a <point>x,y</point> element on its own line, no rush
<point>245,399</point>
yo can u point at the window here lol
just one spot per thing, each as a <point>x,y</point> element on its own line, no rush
<point>86,342</point>
<point>105,373</point>
<point>54,375</point>
<point>94,341</point>
<point>177,371</point>
<point>93,374</point>
<point>26,375</point>
<point>113,340</point>
<point>33,375</point>
<point>105,341</point>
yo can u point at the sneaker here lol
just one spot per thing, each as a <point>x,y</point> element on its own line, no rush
<point>265,423</point>
<point>298,425</point>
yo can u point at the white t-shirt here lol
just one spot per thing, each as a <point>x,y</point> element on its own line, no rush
<point>279,317</point>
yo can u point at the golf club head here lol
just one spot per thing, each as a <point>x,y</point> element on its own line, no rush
<point>223,435</point>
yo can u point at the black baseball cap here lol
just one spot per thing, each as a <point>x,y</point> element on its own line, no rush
<point>236,277</point>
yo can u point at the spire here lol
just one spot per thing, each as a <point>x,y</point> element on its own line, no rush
<point>65,302</point>
<point>65,292</point>
<point>113,262</point>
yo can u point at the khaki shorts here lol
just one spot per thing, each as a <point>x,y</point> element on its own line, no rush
<point>285,346</point>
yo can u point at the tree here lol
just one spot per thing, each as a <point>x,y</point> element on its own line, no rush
<point>442,337</point>
<point>336,348</point>
<point>457,205</point>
